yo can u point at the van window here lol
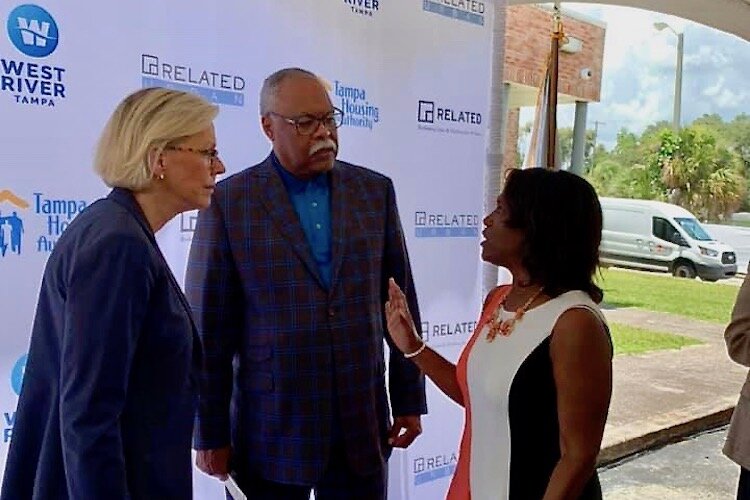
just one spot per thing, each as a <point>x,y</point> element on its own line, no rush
<point>693,228</point>
<point>624,220</point>
<point>663,229</point>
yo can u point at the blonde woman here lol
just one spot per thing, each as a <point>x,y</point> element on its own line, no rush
<point>106,409</point>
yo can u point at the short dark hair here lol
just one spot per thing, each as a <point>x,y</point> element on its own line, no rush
<point>274,80</point>
<point>561,219</point>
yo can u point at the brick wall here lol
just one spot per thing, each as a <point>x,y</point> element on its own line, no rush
<point>527,45</point>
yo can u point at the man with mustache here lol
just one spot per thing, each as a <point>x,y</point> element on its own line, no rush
<point>288,277</point>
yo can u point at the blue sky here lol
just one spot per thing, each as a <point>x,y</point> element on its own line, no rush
<point>639,72</point>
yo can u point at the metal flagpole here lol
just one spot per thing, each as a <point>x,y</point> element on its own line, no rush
<point>551,122</point>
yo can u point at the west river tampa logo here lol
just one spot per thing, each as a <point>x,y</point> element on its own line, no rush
<point>16,381</point>
<point>16,375</point>
<point>35,34</point>
<point>33,30</point>
<point>363,7</point>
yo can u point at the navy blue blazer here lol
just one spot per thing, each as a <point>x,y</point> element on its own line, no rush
<point>288,361</point>
<point>107,404</point>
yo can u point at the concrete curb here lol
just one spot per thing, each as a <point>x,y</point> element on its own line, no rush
<point>661,437</point>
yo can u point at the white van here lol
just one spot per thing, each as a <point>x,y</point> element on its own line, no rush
<point>660,236</point>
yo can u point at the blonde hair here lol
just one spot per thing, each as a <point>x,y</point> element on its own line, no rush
<point>141,126</point>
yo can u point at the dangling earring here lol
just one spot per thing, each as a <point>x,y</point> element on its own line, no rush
<point>161,177</point>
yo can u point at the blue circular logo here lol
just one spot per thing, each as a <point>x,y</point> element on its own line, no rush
<point>16,375</point>
<point>32,30</point>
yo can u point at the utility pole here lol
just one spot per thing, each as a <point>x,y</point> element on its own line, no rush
<point>678,82</point>
<point>678,74</point>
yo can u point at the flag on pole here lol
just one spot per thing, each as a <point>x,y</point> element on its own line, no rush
<point>543,147</point>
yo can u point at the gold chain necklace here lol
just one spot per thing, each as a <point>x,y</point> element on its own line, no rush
<point>505,327</point>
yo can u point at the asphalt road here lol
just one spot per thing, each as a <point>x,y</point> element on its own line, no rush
<point>691,469</point>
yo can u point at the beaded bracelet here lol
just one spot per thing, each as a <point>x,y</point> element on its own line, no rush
<point>417,352</point>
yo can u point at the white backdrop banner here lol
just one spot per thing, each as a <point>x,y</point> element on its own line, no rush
<point>412,77</point>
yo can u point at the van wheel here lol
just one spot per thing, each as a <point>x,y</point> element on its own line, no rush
<point>684,270</point>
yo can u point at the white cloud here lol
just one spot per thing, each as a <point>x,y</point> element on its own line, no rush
<point>715,90</point>
<point>723,97</point>
<point>707,55</point>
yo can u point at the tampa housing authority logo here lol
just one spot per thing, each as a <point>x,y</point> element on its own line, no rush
<point>11,225</point>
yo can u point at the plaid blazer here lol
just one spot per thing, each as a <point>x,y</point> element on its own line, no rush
<point>285,357</point>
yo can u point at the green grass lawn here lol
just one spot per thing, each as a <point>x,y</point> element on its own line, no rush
<point>654,292</point>
<point>633,340</point>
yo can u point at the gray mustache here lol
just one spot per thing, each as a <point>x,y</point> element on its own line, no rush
<point>325,144</point>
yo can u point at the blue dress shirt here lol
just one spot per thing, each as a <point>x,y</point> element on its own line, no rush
<point>311,199</point>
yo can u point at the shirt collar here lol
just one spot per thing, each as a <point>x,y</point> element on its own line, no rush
<point>294,184</point>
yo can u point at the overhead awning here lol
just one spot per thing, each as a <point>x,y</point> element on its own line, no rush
<point>731,16</point>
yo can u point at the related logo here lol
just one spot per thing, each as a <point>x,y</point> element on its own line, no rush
<point>444,334</point>
<point>359,111</point>
<point>446,225</point>
<point>214,86</point>
<point>11,225</point>
<point>53,215</point>
<point>470,11</point>
<point>34,32</point>
<point>426,112</point>
<point>431,468</point>
<point>16,374</point>
<point>437,118</point>
<point>363,7</point>
<point>188,220</point>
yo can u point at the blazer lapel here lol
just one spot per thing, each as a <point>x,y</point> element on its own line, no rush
<point>126,199</point>
<point>276,201</point>
<point>342,220</point>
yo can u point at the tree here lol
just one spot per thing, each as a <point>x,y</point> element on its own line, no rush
<point>565,139</point>
<point>738,132</point>
<point>700,174</point>
<point>609,178</point>
<point>701,168</point>
<point>655,129</point>
<point>627,150</point>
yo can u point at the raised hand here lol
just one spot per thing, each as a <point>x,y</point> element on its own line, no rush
<point>400,323</point>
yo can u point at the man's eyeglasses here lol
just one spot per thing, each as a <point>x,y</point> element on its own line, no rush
<point>211,155</point>
<point>308,124</point>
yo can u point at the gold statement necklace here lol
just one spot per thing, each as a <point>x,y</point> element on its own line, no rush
<point>504,327</point>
